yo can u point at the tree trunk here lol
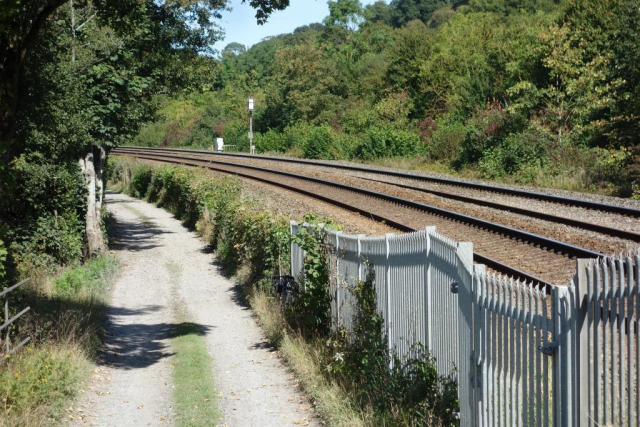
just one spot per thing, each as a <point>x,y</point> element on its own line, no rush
<point>94,241</point>
<point>99,167</point>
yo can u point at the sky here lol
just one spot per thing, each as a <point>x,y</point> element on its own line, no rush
<point>240,24</point>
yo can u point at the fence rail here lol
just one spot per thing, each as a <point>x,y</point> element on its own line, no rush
<point>525,355</point>
<point>8,321</point>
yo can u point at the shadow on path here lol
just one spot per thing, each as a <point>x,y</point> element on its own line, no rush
<point>138,345</point>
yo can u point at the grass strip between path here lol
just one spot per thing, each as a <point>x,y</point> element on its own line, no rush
<point>194,393</point>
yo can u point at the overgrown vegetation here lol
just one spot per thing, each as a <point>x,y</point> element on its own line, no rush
<point>537,91</point>
<point>347,375</point>
<point>66,324</point>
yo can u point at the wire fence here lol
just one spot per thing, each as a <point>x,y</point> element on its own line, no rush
<point>524,355</point>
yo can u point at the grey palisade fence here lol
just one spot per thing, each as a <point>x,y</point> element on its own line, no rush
<point>525,355</point>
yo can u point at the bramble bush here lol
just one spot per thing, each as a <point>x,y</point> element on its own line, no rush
<point>320,144</point>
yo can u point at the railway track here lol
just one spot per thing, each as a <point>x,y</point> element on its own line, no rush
<point>568,201</point>
<point>538,258</point>
<point>478,201</point>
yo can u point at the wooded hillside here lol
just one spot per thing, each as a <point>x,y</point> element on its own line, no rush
<point>541,92</point>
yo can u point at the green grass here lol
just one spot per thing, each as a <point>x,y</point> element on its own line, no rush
<point>306,359</point>
<point>65,323</point>
<point>92,277</point>
<point>194,393</point>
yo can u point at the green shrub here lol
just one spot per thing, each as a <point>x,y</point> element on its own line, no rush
<point>411,392</point>
<point>320,143</point>
<point>488,128</point>
<point>388,143</point>
<point>311,310</point>
<point>521,154</point>
<point>272,140</point>
<point>52,240</point>
<point>236,133</point>
<point>297,134</point>
<point>446,141</point>
<point>141,180</point>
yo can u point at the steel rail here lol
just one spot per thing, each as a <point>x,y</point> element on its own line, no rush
<point>549,244</point>
<point>467,184</point>
<point>526,212</point>
<point>629,235</point>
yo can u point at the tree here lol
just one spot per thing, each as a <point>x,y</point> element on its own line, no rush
<point>379,12</point>
<point>77,78</point>
<point>410,10</point>
<point>347,14</point>
<point>234,49</point>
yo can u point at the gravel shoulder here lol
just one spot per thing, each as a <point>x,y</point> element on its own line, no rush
<point>134,387</point>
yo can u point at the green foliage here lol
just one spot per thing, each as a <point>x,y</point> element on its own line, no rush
<point>388,143</point>
<point>91,277</point>
<point>272,140</point>
<point>320,144</point>
<point>140,181</point>
<point>411,392</point>
<point>469,78</point>
<point>445,140</point>
<point>521,154</point>
<point>311,310</point>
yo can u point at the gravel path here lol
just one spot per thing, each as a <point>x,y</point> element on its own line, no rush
<point>134,387</point>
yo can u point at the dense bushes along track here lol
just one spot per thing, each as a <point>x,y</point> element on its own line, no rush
<point>512,251</point>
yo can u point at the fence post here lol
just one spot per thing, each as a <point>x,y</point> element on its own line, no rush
<point>292,225</point>
<point>479,347</point>
<point>359,237</point>
<point>387,278</point>
<point>427,283</point>
<point>564,324</point>
<point>464,328</point>
<point>338,299</point>
<point>581,397</point>
<point>6,320</point>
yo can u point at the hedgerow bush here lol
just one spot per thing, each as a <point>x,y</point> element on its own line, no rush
<point>523,154</point>
<point>238,232</point>
<point>411,392</point>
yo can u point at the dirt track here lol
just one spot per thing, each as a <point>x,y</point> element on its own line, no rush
<point>134,385</point>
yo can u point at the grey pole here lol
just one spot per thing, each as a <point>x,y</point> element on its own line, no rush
<point>251,147</point>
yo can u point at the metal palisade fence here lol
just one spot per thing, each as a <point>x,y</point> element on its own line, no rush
<point>524,355</point>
